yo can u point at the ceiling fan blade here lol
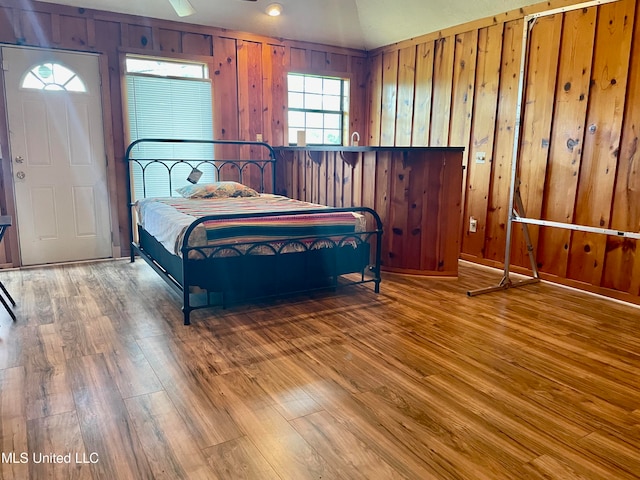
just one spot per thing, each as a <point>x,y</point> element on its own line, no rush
<point>182,7</point>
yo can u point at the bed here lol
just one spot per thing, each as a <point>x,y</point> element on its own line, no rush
<point>225,237</point>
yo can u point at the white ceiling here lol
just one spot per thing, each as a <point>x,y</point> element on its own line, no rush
<point>361,24</point>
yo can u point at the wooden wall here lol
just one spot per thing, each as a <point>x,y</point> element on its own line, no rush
<point>248,74</point>
<point>579,136</point>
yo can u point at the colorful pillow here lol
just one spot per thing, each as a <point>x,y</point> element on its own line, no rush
<point>217,190</point>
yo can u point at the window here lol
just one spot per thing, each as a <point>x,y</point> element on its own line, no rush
<point>163,68</point>
<point>319,107</point>
<point>53,77</point>
<point>169,99</point>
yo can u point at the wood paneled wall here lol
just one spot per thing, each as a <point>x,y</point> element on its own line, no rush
<point>579,135</point>
<point>248,74</point>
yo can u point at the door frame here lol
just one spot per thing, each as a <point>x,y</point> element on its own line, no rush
<point>7,201</point>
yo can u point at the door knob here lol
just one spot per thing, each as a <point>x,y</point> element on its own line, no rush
<point>19,159</point>
<point>21,175</point>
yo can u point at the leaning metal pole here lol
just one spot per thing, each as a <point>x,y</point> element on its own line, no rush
<point>506,277</point>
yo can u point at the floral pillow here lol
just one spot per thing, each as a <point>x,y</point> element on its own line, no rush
<point>217,190</point>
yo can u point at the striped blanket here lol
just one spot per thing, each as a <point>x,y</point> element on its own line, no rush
<point>168,218</point>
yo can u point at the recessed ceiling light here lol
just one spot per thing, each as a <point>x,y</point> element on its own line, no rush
<point>274,9</point>
<point>182,7</point>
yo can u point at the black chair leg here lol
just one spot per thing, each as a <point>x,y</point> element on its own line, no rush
<point>7,307</point>
<point>5,222</point>
<point>13,302</point>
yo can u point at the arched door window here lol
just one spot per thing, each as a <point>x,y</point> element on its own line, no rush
<point>53,77</point>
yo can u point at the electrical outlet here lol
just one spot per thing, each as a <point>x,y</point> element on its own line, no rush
<point>473,225</point>
<point>258,137</point>
<point>481,157</point>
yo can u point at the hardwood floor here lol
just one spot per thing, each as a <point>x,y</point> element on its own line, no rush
<point>100,379</point>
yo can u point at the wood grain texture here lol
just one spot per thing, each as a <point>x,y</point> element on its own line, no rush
<point>358,106</point>
<point>197,44</point>
<point>239,460</point>
<point>170,40</point>
<point>567,138</point>
<point>442,89</point>
<point>416,194</point>
<point>419,381</point>
<point>374,96</point>
<point>353,457</point>
<point>332,174</point>
<point>423,95</point>
<point>74,33</point>
<point>274,87</point>
<point>622,261</point>
<point>13,422</point>
<point>498,208</point>
<point>319,60</point>
<point>465,69</point>
<point>450,210</point>
<point>7,32</point>
<point>36,25</point>
<point>537,113</point>
<point>298,59</point>
<point>389,98</point>
<point>602,141</point>
<point>107,429</point>
<point>46,435</point>
<point>167,443</point>
<point>274,437</point>
<point>251,102</point>
<point>578,131</point>
<point>206,419</point>
<point>485,105</point>
<point>225,94</point>
<point>406,95</point>
<point>398,231</point>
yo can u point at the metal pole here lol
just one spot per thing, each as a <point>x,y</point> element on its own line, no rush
<point>580,228</point>
<point>516,147</point>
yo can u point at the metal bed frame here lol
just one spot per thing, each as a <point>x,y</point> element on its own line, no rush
<point>239,272</point>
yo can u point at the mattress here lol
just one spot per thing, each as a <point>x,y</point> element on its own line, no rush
<point>168,218</point>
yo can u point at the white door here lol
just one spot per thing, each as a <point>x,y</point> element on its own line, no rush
<point>58,156</point>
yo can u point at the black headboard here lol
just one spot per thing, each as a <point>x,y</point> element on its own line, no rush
<point>250,163</point>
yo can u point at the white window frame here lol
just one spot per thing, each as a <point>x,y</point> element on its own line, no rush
<point>317,111</point>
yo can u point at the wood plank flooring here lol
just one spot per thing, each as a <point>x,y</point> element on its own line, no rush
<point>99,379</point>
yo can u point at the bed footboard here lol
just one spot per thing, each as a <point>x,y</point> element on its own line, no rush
<point>240,272</point>
<point>237,272</point>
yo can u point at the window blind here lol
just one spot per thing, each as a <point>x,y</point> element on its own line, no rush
<point>161,107</point>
